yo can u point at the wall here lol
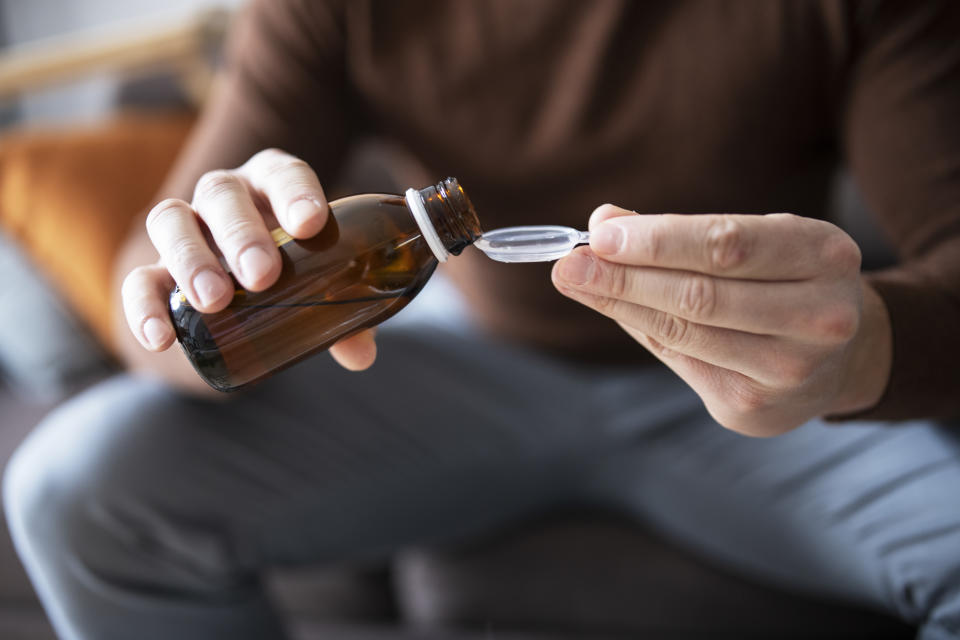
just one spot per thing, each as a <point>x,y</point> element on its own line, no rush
<point>27,21</point>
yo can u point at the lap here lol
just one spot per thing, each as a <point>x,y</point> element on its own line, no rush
<point>445,436</point>
<point>449,435</point>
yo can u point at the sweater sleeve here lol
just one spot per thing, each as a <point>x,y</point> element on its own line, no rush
<point>901,132</point>
<point>284,86</point>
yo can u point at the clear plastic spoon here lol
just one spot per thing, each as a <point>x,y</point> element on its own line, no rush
<point>530,244</point>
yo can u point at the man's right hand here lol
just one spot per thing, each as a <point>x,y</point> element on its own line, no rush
<point>230,216</point>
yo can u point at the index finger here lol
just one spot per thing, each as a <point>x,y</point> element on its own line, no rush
<point>776,246</point>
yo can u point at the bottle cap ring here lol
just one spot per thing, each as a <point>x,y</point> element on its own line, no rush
<point>415,204</point>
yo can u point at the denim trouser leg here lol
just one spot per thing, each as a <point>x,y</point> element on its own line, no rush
<point>141,513</point>
<point>868,512</point>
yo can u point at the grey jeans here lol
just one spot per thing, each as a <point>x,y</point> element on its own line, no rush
<point>142,513</point>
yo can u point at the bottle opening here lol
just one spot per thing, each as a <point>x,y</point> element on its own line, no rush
<point>446,217</point>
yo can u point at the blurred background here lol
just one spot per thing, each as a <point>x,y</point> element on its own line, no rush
<point>41,25</point>
<point>95,97</point>
<point>83,84</point>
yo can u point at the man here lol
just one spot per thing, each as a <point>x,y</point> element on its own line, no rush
<point>158,516</point>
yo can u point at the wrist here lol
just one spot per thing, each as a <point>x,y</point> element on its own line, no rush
<point>868,360</point>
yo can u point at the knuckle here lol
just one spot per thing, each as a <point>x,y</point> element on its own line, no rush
<point>606,211</point>
<point>795,371</point>
<point>288,166</point>
<point>605,305</point>
<point>274,162</point>
<point>841,253</point>
<point>236,232</point>
<point>697,297</point>
<point>671,331</point>
<point>133,284</point>
<point>618,281</point>
<point>726,244</point>
<point>267,156</point>
<point>655,240</point>
<point>184,256</point>
<point>163,211</point>
<point>746,400</point>
<point>838,323</point>
<point>139,293</point>
<point>215,184</point>
<point>791,219</point>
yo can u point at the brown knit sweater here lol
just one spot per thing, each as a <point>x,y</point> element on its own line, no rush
<point>544,109</point>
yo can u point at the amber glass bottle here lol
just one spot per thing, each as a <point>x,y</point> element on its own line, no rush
<point>372,257</point>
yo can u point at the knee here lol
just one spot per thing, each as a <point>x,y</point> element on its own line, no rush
<point>106,483</point>
<point>29,491</point>
<point>43,489</point>
<point>63,485</point>
<point>924,572</point>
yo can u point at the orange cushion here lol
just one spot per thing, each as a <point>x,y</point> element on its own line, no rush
<point>67,197</point>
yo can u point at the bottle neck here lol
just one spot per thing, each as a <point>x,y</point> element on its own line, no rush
<point>446,217</point>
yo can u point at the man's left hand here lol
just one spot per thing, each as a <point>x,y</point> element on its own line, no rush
<point>766,317</point>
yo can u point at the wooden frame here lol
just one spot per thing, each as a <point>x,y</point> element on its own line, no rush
<point>185,46</point>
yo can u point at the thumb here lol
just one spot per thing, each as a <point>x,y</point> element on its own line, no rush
<point>356,352</point>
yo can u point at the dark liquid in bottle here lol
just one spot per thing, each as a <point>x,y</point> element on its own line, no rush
<point>366,264</point>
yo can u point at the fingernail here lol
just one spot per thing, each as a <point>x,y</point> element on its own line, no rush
<point>209,287</point>
<point>577,269</point>
<point>302,210</point>
<point>255,263</point>
<point>156,332</point>
<point>607,238</point>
